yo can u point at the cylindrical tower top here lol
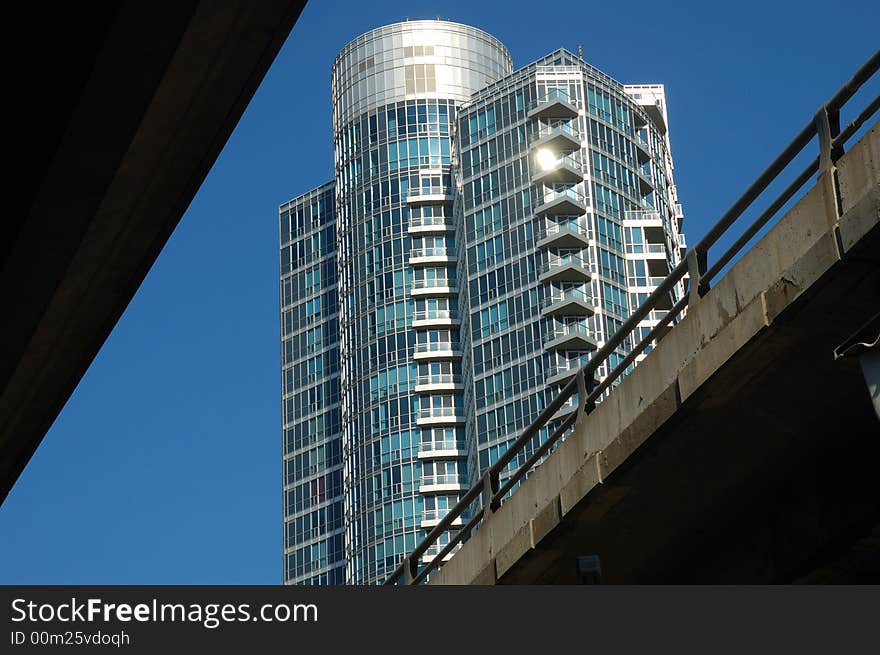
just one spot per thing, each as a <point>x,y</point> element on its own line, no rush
<point>414,59</point>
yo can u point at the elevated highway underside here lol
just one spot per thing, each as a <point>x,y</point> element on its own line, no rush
<point>740,450</point>
<point>121,109</point>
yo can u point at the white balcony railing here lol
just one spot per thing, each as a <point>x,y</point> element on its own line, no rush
<point>432,347</point>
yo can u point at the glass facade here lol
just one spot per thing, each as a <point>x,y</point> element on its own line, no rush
<point>487,230</point>
<point>396,91</point>
<point>310,400</point>
<point>565,220</point>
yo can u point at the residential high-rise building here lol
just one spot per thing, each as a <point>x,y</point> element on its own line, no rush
<point>314,542</point>
<point>486,230</point>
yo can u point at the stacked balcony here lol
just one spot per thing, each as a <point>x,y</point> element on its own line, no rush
<point>431,416</point>
<point>562,202</point>
<point>560,137</point>
<point>567,267</point>
<point>561,373</point>
<point>435,289</point>
<point>451,449</point>
<point>430,225</point>
<point>563,236</point>
<point>555,105</point>
<point>439,382</point>
<point>436,318</point>
<point>570,234</point>
<point>568,337</point>
<point>437,351</point>
<point>429,195</point>
<point>567,302</point>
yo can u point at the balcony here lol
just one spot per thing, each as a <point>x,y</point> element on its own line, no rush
<point>645,185</point>
<point>434,550</point>
<point>439,382</point>
<point>570,234</point>
<point>553,106</point>
<point>574,302</point>
<point>432,351</point>
<point>561,373</point>
<point>429,195</point>
<point>568,169</point>
<point>558,138</point>
<point>429,225</point>
<point>442,450</point>
<point>433,484</point>
<point>642,155</point>
<point>440,416</point>
<point>569,407</point>
<point>644,216</point>
<point>431,255</point>
<point>648,248</point>
<point>565,268</point>
<point>431,517</point>
<point>569,337</point>
<point>435,317</point>
<point>649,282</point>
<point>566,202</point>
<point>422,287</point>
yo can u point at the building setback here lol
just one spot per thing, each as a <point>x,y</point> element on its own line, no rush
<point>486,230</point>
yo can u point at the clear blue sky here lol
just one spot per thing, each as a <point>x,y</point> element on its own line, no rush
<point>164,467</point>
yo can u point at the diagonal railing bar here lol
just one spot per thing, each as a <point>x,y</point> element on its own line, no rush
<point>517,476</point>
<point>470,525</point>
<point>826,124</point>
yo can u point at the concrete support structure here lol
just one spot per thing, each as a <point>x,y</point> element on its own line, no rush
<point>740,450</point>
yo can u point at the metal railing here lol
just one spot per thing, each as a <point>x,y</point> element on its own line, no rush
<point>437,346</point>
<point>555,194</point>
<point>416,192</point>
<point>566,330</point>
<point>551,96</point>
<point>568,295</point>
<point>563,368</point>
<point>431,221</point>
<point>555,261</point>
<point>436,514</point>
<point>647,247</point>
<point>573,160</point>
<point>432,251</point>
<point>558,127</point>
<point>435,314</point>
<point>553,229</point>
<point>642,215</point>
<point>440,412</point>
<point>436,283</point>
<point>826,126</point>
<point>439,378</point>
<point>443,478</point>
<point>435,446</point>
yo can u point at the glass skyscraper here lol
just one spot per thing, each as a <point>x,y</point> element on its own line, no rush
<point>486,230</point>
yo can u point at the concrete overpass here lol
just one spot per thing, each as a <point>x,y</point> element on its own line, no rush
<point>121,110</point>
<point>740,450</point>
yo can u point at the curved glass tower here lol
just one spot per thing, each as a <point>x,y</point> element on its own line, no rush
<point>395,94</point>
<point>487,229</point>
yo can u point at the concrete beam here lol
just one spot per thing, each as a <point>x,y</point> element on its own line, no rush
<point>149,95</point>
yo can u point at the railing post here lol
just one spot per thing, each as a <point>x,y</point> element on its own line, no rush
<point>584,389</point>
<point>696,265</point>
<point>490,488</point>
<point>827,128</point>
<point>408,572</point>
